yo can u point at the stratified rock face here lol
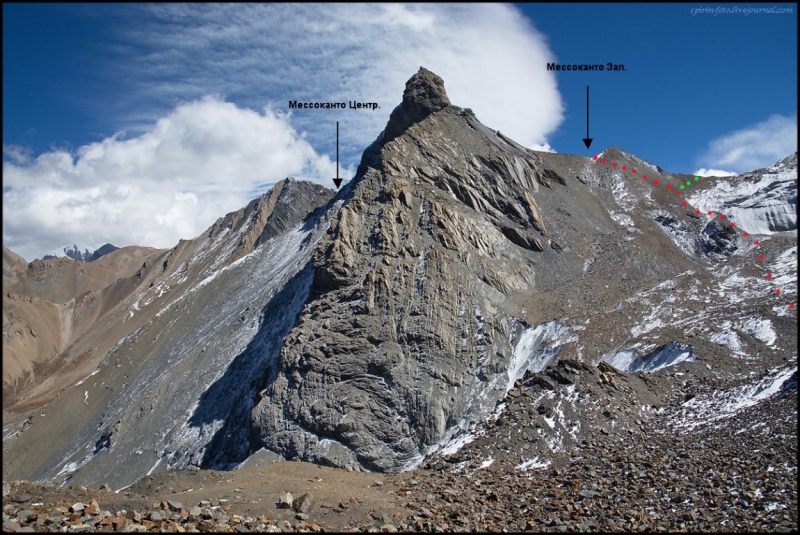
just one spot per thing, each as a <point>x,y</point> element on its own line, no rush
<point>409,332</point>
<point>382,325</point>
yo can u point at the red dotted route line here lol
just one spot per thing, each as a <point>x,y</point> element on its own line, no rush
<point>710,213</point>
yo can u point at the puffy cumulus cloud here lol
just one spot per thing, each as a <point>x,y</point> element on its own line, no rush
<point>713,172</point>
<point>203,159</point>
<point>491,59</point>
<point>754,147</point>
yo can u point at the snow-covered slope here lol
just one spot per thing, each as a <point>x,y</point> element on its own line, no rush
<point>761,202</point>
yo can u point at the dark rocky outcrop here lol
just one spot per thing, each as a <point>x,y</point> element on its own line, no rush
<point>718,239</point>
<point>102,251</point>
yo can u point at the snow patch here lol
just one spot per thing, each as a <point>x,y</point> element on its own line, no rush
<point>457,443</point>
<point>678,231</point>
<point>668,355</point>
<point>87,377</point>
<point>154,467</point>
<point>69,468</point>
<point>728,339</point>
<point>760,329</point>
<point>622,219</point>
<point>620,192</point>
<point>532,464</point>
<point>537,348</point>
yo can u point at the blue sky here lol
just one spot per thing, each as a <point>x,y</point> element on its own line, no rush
<point>141,124</point>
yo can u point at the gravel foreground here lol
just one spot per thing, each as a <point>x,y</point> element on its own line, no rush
<point>732,477</point>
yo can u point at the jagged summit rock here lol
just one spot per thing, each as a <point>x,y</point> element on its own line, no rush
<point>424,95</point>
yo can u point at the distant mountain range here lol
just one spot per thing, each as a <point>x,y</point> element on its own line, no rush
<point>81,252</point>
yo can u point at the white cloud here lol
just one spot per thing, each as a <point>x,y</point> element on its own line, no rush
<point>754,147</point>
<point>713,172</point>
<point>188,158</point>
<point>202,160</point>
<point>17,153</point>
<point>491,59</point>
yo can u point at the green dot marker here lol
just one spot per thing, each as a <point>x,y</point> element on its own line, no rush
<point>696,178</point>
<point>682,186</point>
<point>688,182</point>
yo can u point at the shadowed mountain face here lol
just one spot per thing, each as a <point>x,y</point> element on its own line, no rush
<point>373,328</point>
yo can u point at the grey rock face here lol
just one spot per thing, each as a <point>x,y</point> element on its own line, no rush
<point>410,327</point>
<point>763,201</point>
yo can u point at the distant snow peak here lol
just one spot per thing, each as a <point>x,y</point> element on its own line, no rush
<point>703,172</point>
<point>81,252</point>
<point>76,251</point>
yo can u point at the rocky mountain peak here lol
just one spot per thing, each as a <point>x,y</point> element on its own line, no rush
<point>424,94</point>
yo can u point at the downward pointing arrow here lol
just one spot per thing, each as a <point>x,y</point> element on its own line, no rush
<point>337,180</point>
<point>587,140</point>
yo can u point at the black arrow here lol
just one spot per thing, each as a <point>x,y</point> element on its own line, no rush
<point>337,180</point>
<point>587,140</point>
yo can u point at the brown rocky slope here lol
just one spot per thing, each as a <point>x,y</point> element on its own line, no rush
<point>49,304</point>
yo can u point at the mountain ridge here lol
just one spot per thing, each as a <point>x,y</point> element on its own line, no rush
<point>457,280</point>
